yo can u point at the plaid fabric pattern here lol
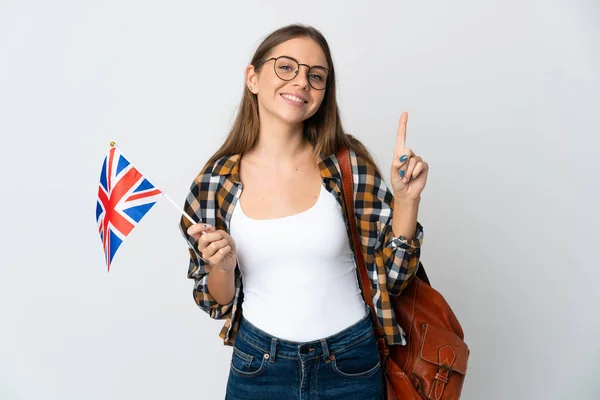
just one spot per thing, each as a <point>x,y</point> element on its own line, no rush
<point>391,261</point>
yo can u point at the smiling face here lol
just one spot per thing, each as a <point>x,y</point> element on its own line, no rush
<point>291,101</point>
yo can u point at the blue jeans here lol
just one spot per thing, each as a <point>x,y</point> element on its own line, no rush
<point>342,366</point>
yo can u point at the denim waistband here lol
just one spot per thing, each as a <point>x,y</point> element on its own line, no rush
<point>274,346</point>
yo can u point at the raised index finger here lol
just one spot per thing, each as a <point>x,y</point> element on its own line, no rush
<point>401,136</point>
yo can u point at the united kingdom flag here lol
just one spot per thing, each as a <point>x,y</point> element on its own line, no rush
<point>124,197</point>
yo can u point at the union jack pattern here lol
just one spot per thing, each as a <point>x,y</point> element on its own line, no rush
<point>124,197</point>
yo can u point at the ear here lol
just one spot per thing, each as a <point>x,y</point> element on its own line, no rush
<point>251,79</point>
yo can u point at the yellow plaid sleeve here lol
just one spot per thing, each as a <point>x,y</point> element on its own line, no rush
<point>202,206</point>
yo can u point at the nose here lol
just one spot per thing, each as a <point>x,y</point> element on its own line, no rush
<point>301,78</point>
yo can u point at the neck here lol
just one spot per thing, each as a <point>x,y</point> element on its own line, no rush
<point>279,143</point>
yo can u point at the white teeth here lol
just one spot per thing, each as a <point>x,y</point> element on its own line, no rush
<point>293,98</point>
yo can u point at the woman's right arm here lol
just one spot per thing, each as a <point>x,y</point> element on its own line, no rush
<point>201,205</point>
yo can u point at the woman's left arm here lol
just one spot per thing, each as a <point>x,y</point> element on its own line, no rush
<point>400,241</point>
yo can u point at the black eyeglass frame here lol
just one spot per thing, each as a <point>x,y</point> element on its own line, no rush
<point>298,70</point>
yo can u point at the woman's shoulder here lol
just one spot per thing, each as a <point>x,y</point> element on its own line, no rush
<point>220,167</point>
<point>361,158</point>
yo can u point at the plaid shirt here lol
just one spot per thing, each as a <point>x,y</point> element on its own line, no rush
<point>391,261</point>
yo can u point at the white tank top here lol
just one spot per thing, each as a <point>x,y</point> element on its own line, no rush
<point>298,272</point>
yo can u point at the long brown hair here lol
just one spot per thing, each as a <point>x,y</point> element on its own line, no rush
<point>323,130</point>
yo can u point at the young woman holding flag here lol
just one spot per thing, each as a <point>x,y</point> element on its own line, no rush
<point>271,253</point>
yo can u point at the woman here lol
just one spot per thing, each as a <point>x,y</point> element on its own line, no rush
<point>274,259</point>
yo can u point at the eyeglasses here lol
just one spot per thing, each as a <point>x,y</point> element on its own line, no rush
<point>286,68</point>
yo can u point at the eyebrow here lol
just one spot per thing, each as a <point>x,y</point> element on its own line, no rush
<point>299,63</point>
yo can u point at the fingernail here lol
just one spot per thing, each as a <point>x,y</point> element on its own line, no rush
<point>205,226</point>
<point>402,173</point>
<point>403,158</point>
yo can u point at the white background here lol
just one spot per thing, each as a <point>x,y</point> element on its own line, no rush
<point>503,103</point>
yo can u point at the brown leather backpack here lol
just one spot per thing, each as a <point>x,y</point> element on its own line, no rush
<point>433,364</point>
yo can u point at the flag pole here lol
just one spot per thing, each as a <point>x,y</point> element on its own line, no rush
<point>112,144</point>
